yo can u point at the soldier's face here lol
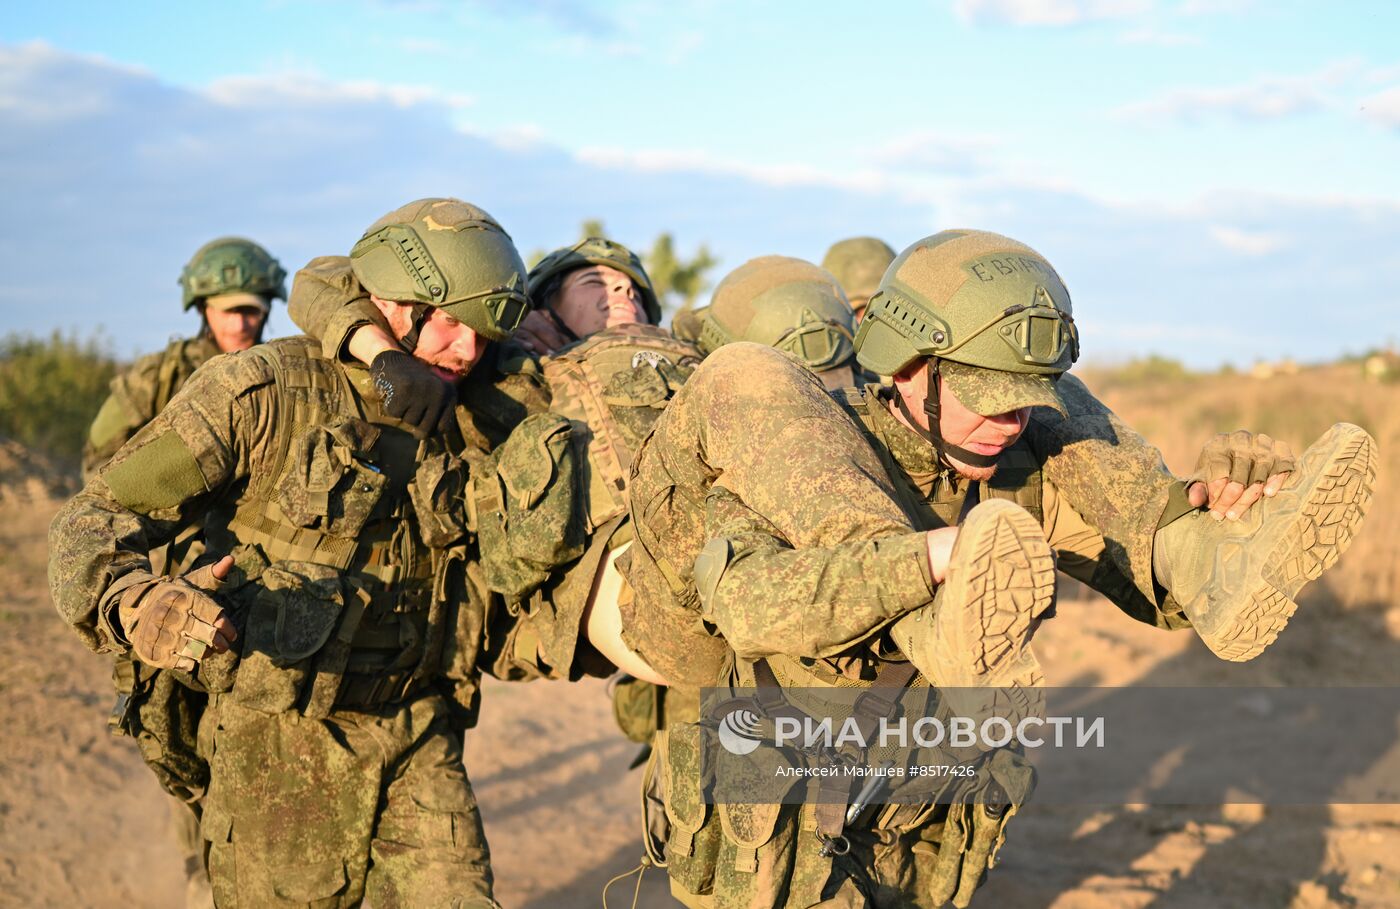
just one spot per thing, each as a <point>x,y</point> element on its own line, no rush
<point>235,329</point>
<point>961,426</point>
<point>595,297</point>
<point>450,347</point>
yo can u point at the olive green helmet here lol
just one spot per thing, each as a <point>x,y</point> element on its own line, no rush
<point>784,303</point>
<point>598,251</point>
<point>447,254</point>
<point>970,297</point>
<point>858,264</point>
<point>232,265</point>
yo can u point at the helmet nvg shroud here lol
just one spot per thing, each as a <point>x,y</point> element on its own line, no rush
<point>784,303</point>
<point>445,254</point>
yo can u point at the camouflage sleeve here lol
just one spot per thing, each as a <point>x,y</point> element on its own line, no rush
<point>1108,474</point>
<point>130,405</point>
<point>202,442</point>
<point>328,303</point>
<point>767,598</point>
<point>814,550</point>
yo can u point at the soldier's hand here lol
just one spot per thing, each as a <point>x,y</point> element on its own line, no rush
<point>175,622</point>
<point>410,391</point>
<point>1235,469</point>
<point>539,335</point>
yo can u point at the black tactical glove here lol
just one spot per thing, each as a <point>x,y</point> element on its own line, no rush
<point>410,391</point>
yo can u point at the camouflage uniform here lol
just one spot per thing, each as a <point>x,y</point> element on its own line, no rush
<point>823,502</point>
<point>332,730</point>
<point>140,393</point>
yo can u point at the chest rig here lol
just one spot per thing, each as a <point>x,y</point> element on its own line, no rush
<point>613,387</point>
<point>349,539</point>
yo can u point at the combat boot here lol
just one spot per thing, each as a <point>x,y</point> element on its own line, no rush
<point>977,632</point>
<point>1236,580</point>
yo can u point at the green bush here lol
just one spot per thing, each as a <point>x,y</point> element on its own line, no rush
<point>51,388</point>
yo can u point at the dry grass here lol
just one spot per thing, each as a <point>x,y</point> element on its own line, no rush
<point>1178,413</point>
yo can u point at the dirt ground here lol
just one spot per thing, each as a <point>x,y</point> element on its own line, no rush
<point>82,822</point>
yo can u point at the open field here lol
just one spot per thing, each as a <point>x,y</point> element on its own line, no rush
<point>82,822</point>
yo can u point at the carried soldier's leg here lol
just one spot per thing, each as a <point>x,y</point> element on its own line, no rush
<point>977,631</point>
<point>1237,580</point>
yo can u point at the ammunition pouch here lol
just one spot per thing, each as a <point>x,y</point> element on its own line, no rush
<point>525,506</point>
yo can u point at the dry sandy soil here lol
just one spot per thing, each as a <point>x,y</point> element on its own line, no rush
<point>82,822</point>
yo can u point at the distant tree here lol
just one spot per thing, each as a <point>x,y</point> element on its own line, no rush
<point>676,278</point>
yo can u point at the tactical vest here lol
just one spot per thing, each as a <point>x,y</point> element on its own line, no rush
<point>613,387</point>
<point>349,543</point>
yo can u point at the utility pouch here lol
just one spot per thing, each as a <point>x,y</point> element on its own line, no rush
<point>437,492</point>
<point>534,524</point>
<point>162,715</point>
<point>293,614</point>
<point>637,708</point>
<point>693,845</point>
<point>329,483</point>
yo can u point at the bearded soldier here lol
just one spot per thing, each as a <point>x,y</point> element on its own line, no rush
<point>788,538</point>
<point>858,264</point>
<point>338,637</point>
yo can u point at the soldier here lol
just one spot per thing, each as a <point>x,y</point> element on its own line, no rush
<point>787,304</point>
<point>611,382</point>
<point>784,537</point>
<point>858,264</point>
<point>339,636</point>
<point>232,283</point>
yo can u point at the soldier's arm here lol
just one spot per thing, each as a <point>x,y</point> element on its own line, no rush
<point>1085,555</point>
<point>767,598</point>
<point>1109,475</point>
<point>328,303</point>
<point>157,484</point>
<point>130,405</point>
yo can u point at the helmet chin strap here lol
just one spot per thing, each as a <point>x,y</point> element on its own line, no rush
<point>421,313</point>
<point>934,434</point>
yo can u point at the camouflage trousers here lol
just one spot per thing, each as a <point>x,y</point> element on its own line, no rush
<point>324,813</point>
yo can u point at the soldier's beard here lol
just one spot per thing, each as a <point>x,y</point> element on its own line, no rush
<point>968,472</point>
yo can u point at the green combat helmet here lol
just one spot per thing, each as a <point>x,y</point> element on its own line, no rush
<point>445,254</point>
<point>987,314</point>
<point>595,251</point>
<point>784,303</point>
<point>858,264</point>
<point>232,265</point>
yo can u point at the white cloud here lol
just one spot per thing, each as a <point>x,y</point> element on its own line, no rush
<point>1268,99</point>
<point>934,152</point>
<point>114,196</point>
<point>1383,108</point>
<point>1047,12</point>
<point>1244,242</point>
<point>301,88</point>
<point>1212,7</point>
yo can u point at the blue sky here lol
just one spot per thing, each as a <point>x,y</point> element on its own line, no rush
<point>1217,180</point>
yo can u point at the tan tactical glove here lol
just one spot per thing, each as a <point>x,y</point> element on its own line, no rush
<point>1235,469</point>
<point>172,622</point>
